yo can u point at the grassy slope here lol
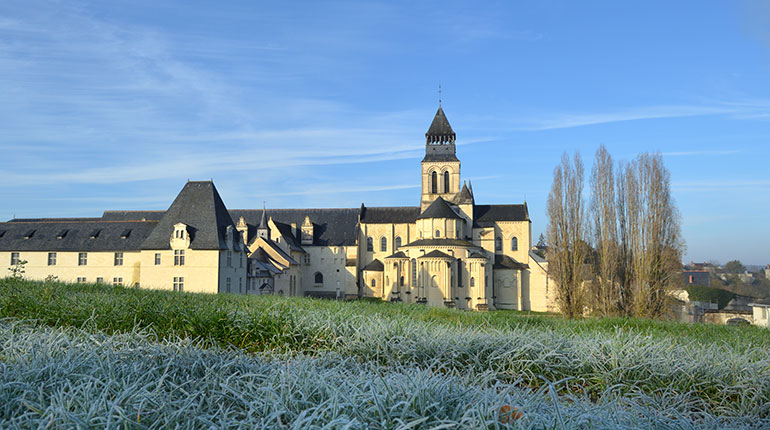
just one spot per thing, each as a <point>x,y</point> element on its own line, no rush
<point>713,369</point>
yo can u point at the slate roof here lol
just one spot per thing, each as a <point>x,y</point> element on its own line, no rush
<point>441,242</point>
<point>439,209</point>
<point>435,254</point>
<point>387,215</point>
<point>465,195</point>
<point>486,215</point>
<point>399,254</point>
<point>132,215</point>
<point>81,219</point>
<point>375,266</point>
<point>440,130</point>
<point>77,236</point>
<point>200,207</point>
<point>439,154</point>
<point>331,227</point>
<point>477,255</point>
<point>506,262</point>
<point>536,258</point>
<point>288,233</point>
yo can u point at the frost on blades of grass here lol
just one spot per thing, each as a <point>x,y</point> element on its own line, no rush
<point>614,369</point>
<point>55,377</point>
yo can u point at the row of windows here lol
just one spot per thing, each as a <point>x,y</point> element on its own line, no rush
<point>118,282</point>
<point>118,260</point>
<point>499,243</point>
<point>383,243</point>
<point>434,182</point>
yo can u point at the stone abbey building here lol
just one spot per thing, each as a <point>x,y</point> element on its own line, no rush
<point>448,251</point>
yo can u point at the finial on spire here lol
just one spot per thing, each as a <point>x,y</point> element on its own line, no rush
<point>439,94</point>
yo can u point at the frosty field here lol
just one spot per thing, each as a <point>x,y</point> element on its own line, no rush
<point>96,356</point>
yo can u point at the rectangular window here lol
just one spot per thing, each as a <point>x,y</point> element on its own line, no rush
<point>179,257</point>
<point>228,285</point>
<point>99,280</point>
<point>229,258</point>
<point>14,258</point>
<point>52,259</point>
<point>179,283</point>
<point>241,257</point>
<point>240,285</point>
<point>82,258</point>
<point>118,282</point>
<point>82,279</point>
<point>157,258</point>
<point>118,258</point>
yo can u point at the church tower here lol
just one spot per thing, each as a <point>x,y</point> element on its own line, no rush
<point>440,167</point>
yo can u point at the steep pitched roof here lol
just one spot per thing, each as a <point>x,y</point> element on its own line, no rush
<point>439,209</point>
<point>465,195</point>
<point>375,266</point>
<point>486,215</point>
<point>331,227</point>
<point>440,130</point>
<point>200,207</point>
<point>388,215</point>
<point>288,233</point>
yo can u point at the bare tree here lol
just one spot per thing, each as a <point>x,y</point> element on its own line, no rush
<point>566,234</point>
<point>653,235</point>
<point>605,290</point>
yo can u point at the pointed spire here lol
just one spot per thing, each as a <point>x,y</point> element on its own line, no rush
<point>440,131</point>
<point>262,223</point>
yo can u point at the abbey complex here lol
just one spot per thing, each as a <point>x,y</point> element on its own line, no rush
<point>447,251</point>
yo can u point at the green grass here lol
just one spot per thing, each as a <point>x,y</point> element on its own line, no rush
<point>713,370</point>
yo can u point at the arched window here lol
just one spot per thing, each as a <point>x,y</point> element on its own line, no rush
<point>401,281</point>
<point>369,244</point>
<point>514,244</point>
<point>498,243</point>
<point>374,282</point>
<point>414,272</point>
<point>438,233</point>
<point>446,182</point>
<point>434,183</point>
<point>319,278</point>
<point>383,244</point>
<point>473,282</point>
<point>398,241</point>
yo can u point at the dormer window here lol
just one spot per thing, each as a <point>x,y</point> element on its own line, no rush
<point>62,234</point>
<point>179,234</point>
<point>29,234</point>
<point>125,233</point>
<point>94,234</point>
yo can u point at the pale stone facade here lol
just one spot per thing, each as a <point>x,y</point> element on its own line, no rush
<point>448,251</point>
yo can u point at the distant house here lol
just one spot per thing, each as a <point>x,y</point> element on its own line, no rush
<point>761,312</point>
<point>697,277</point>
<point>767,271</point>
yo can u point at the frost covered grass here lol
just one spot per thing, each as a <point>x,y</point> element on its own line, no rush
<point>66,377</point>
<point>706,373</point>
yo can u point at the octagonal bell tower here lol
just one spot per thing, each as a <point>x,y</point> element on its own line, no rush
<point>440,167</point>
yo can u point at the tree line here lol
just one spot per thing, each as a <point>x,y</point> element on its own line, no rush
<point>626,237</point>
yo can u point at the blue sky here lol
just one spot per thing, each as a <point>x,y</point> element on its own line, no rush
<point>114,105</point>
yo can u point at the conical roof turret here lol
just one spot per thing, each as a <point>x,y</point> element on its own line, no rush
<point>440,131</point>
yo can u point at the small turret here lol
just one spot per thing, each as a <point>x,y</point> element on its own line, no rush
<point>307,231</point>
<point>263,230</point>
